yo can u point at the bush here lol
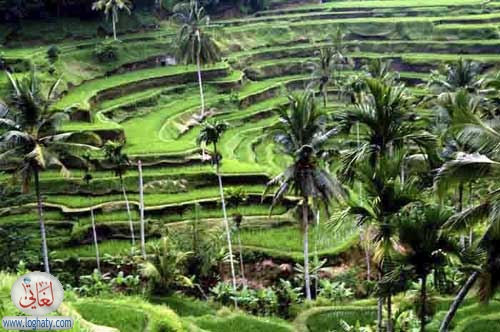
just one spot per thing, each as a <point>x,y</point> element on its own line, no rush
<point>53,53</point>
<point>265,301</point>
<point>334,291</point>
<point>107,50</point>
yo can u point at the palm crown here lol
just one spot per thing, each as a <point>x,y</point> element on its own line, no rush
<point>192,41</point>
<point>32,134</point>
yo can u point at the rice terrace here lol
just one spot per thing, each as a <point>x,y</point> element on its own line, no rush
<point>253,165</point>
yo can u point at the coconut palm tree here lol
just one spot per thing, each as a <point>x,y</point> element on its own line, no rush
<point>33,142</point>
<point>195,46</point>
<point>211,133</point>
<point>119,162</point>
<point>112,7</point>
<point>301,133</point>
<point>481,135</point>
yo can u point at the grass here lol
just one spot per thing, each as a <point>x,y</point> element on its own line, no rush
<point>185,306</point>
<point>82,94</point>
<point>109,247</point>
<point>316,319</point>
<point>129,314</point>
<point>286,241</point>
<point>241,323</point>
<point>74,201</point>
<point>126,318</point>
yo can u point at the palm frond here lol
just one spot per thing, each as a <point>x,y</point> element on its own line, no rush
<point>465,168</point>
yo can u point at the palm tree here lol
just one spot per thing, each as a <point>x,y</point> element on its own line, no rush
<point>87,178</point>
<point>463,74</point>
<point>322,70</point>
<point>165,268</point>
<point>383,196</point>
<point>387,121</point>
<point>32,139</point>
<point>193,44</point>
<point>119,162</point>
<point>211,134</point>
<point>381,70</point>
<point>388,131</point>
<point>331,59</point>
<point>112,7</point>
<point>424,246</point>
<point>482,137</point>
<point>301,133</point>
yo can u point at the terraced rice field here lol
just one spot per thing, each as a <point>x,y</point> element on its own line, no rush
<point>152,107</point>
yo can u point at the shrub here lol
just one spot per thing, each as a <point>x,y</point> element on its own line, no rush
<point>53,53</point>
<point>287,296</point>
<point>334,291</point>
<point>107,50</point>
<point>94,284</point>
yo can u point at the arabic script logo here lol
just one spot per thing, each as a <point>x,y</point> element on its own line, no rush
<point>37,293</point>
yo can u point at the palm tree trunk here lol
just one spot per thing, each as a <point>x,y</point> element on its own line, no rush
<point>226,223</point>
<point>94,234</point>
<point>458,300</point>
<point>198,69</point>
<point>325,95</point>
<point>364,242</point>
<point>389,313</point>
<point>114,24</point>
<point>141,209</point>
<point>242,265</point>
<point>127,205</point>
<point>45,252</point>
<point>305,222</point>
<point>423,301</point>
<point>380,309</point>
<point>460,196</point>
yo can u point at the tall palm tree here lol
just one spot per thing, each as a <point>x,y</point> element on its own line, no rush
<point>119,162</point>
<point>424,246</point>
<point>322,70</point>
<point>31,139</point>
<point>195,46</point>
<point>388,130</point>
<point>481,135</point>
<point>330,60</point>
<point>112,7</point>
<point>301,133</point>
<point>211,134</point>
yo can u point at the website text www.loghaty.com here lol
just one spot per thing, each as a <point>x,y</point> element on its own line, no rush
<point>37,323</point>
<point>37,294</point>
